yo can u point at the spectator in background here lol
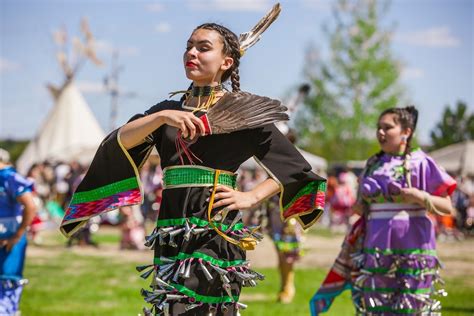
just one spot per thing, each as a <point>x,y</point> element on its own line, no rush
<point>17,210</point>
<point>341,202</point>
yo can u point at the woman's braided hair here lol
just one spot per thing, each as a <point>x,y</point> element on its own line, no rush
<point>231,49</point>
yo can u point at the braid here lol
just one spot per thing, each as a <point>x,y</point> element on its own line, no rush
<point>235,79</point>
<point>231,48</point>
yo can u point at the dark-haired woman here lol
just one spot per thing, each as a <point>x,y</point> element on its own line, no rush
<point>389,258</point>
<point>200,241</point>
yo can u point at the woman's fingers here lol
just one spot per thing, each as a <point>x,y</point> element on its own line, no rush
<point>223,188</point>
<point>232,207</point>
<point>184,130</point>
<point>197,121</point>
<point>191,127</point>
<point>223,202</point>
<point>223,195</point>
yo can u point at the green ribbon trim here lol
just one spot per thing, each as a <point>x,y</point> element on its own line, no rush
<point>391,290</point>
<point>197,221</point>
<point>311,188</point>
<point>105,191</point>
<point>393,310</point>
<point>203,298</point>
<point>406,271</point>
<point>184,176</point>
<point>200,255</point>
<point>413,251</point>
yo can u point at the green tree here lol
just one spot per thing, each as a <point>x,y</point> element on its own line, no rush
<point>353,86</point>
<point>456,125</point>
<point>14,147</point>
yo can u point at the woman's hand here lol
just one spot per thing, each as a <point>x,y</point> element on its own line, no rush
<point>10,242</point>
<point>185,121</point>
<point>413,195</point>
<point>234,200</point>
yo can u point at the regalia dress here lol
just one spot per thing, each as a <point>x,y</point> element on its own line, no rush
<point>12,185</point>
<point>196,271</point>
<point>389,258</point>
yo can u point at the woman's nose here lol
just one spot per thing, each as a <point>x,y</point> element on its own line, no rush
<point>191,52</point>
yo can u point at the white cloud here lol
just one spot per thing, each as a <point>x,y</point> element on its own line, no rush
<point>155,7</point>
<point>163,27</point>
<point>91,87</point>
<point>230,5</point>
<point>410,73</point>
<point>440,36</point>
<point>8,65</point>
<point>108,48</point>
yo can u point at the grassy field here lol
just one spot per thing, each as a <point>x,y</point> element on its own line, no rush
<point>65,282</point>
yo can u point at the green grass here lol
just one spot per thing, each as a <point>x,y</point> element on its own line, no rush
<point>83,285</point>
<point>63,282</point>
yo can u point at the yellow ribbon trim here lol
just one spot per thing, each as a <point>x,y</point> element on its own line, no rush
<point>246,243</point>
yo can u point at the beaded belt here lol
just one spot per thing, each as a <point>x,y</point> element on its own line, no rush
<point>394,207</point>
<point>397,214</point>
<point>402,211</point>
<point>196,176</point>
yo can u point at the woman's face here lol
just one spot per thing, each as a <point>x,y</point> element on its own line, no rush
<point>390,134</point>
<point>204,60</point>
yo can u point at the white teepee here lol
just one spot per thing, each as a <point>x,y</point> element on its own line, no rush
<point>70,132</point>
<point>456,158</point>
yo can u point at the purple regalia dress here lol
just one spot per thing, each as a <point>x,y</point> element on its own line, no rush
<point>395,270</point>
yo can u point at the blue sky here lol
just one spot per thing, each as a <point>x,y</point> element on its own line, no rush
<point>433,39</point>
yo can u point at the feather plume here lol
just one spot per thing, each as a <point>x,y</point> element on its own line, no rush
<point>242,110</point>
<point>248,39</point>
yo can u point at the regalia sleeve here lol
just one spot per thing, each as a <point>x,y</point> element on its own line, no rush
<point>112,180</point>
<point>302,192</point>
<point>436,180</point>
<point>18,185</point>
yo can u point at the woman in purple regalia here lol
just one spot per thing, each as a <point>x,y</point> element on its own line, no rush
<point>389,258</point>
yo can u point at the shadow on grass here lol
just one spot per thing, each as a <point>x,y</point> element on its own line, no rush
<point>452,309</point>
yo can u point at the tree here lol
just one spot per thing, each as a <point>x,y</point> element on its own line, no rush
<point>455,126</point>
<point>351,88</point>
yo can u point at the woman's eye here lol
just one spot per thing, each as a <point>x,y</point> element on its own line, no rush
<point>204,49</point>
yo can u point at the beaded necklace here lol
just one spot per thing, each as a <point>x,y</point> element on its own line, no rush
<point>198,92</point>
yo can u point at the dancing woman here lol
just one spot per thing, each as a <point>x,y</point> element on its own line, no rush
<point>199,241</point>
<point>389,258</point>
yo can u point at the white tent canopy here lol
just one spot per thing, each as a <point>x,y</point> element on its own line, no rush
<point>457,158</point>
<point>70,132</point>
<point>316,162</point>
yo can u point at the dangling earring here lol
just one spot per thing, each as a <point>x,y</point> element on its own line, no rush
<point>404,139</point>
